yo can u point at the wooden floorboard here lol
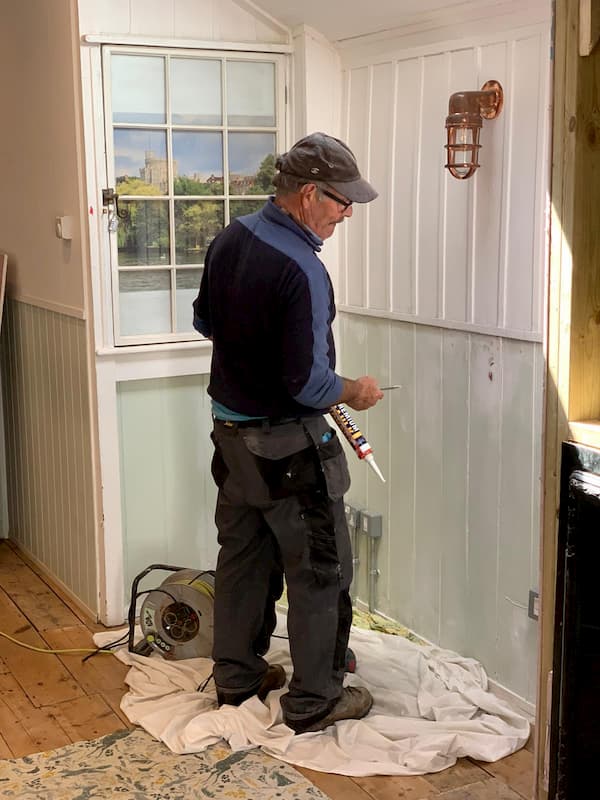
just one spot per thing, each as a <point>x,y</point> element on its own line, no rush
<point>101,673</point>
<point>25,728</point>
<point>34,598</point>
<point>48,701</point>
<point>86,718</point>
<point>42,677</point>
<point>338,787</point>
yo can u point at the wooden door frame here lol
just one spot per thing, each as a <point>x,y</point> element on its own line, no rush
<point>572,342</point>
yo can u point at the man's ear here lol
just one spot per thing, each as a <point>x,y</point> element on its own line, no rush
<point>307,192</point>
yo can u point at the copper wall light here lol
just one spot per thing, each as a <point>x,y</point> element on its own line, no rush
<point>466,112</point>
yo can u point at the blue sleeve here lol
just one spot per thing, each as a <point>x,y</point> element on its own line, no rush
<point>308,348</point>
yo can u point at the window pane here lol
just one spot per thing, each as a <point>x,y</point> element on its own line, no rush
<point>196,224</point>
<point>195,92</point>
<point>143,238</point>
<point>251,163</point>
<point>141,162</point>
<point>237,208</point>
<point>188,283</point>
<point>197,163</point>
<point>138,89</point>
<point>251,93</point>
<point>144,302</point>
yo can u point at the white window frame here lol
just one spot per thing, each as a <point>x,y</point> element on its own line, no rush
<point>109,265</point>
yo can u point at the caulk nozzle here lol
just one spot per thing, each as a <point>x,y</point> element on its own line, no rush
<point>371,462</point>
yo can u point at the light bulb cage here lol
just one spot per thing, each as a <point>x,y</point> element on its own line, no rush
<point>466,112</point>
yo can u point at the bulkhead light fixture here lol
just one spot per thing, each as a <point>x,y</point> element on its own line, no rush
<point>466,112</point>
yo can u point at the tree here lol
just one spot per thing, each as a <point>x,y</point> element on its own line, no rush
<point>195,224</point>
<point>182,184</point>
<point>136,186</point>
<point>143,237</point>
<point>263,183</point>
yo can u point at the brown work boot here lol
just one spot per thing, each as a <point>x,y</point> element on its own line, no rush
<point>274,679</point>
<point>354,703</point>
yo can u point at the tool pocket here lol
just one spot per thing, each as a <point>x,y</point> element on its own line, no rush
<point>334,466</point>
<point>322,545</point>
<point>285,459</point>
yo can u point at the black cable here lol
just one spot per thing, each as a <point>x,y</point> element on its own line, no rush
<point>149,591</point>
<point>199,575</point>
<point>204,684</point>
<point>135,594</point>
<point>108,647</point>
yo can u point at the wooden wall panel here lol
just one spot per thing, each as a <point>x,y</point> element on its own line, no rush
<point>467,266</point>
<point>491,187</point>
<point>526,111</point>
<point>353,336</point>
<point>377,423</point>
<point>356,233</point>
<point>428,265</point>
<point>428,481</point>
<point>454,623</point>
<point>460,446</point>
<point>458,209</point>
<point>381,172</point>
<point>520,403</point>
<point>464,253</point>
<point>485,424</point>
<point>398,563</point>
<point>403,229</point>
<point>48,445</point>
<point>168,495</point>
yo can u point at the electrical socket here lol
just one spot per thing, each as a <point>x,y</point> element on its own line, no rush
<point>371,524</point>
<point>352,516</point>
<point>533,609</point>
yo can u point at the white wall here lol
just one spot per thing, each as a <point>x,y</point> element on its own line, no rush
<point>169,495</point>
<point>47,390</point>
<point>139,387</point>
<point>441,291</point>
<point>53,516</point>
<point>317,93</point>
<point>460,446</point>
<point>441,288</point>
<point>206,20</point>
<point>42,175</point>
<point>431,248</point>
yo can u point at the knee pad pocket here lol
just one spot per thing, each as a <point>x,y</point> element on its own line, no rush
<point>322,545</point>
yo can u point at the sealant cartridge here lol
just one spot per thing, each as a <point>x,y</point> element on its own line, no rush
<point>355,436</point>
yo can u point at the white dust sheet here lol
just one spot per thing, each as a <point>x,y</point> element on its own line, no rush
<point>431,707</point>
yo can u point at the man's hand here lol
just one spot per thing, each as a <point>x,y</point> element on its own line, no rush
<point>361,393</point>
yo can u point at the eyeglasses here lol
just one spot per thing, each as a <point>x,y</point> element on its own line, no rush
<point>344,203</point>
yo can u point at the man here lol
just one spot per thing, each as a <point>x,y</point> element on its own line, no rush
<point>266,301</point>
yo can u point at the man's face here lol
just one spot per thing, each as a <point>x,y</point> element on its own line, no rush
<point>322,212</point>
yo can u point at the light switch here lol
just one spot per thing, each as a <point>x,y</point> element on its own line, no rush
<point>64,227</point>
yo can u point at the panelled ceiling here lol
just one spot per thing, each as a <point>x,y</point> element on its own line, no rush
<point>338,20</point>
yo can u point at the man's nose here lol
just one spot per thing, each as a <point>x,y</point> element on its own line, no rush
<point>348,211</point>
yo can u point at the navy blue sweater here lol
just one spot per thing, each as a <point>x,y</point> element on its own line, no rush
<point>267,302</point>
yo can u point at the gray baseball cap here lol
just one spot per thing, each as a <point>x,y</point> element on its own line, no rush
<point>319,158</point>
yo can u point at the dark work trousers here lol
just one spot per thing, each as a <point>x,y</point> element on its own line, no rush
<point>280,511</point>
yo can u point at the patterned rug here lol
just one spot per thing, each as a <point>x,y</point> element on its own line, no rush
<point>131,765</point>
